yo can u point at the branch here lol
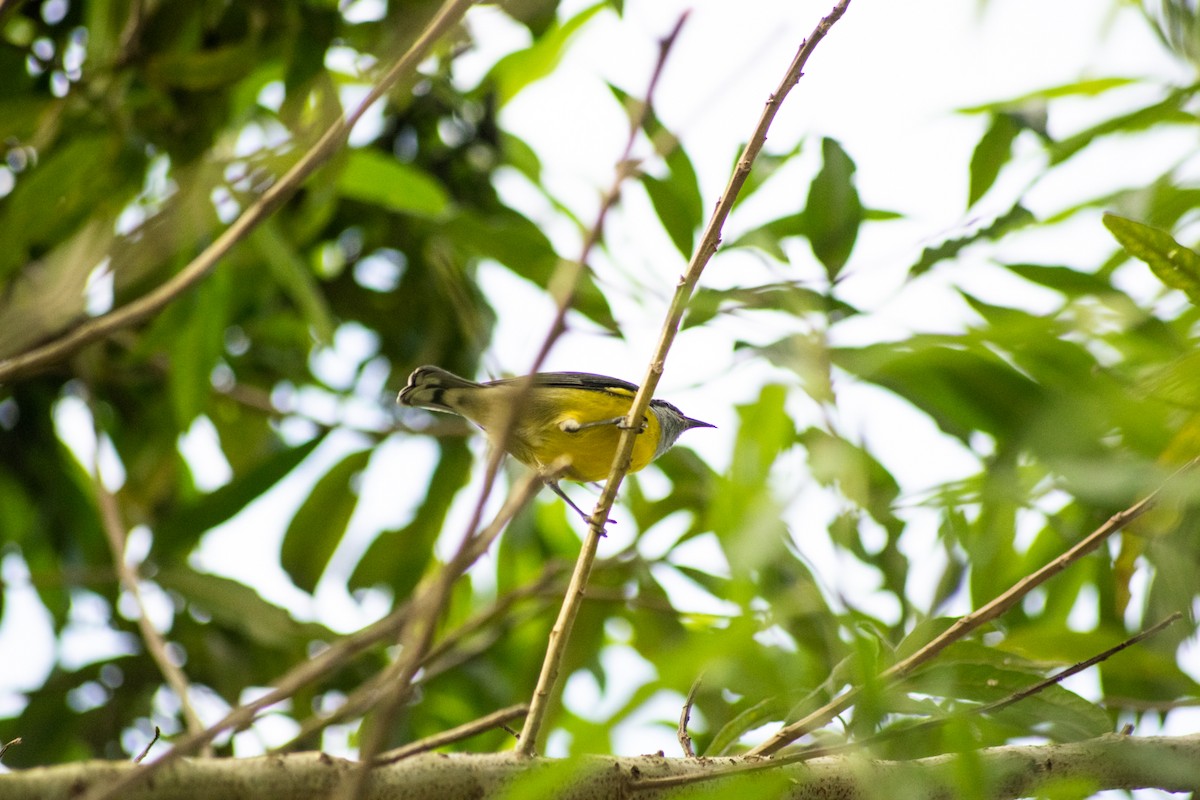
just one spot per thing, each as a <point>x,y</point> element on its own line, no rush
<point>556,650</point>
<point>971,622</point>
<point>527,744</point>
<point>1110,762</point>
<point>685,715</point>
<point>156,646</point>
<point>330,142</point>
<point>494,720</point>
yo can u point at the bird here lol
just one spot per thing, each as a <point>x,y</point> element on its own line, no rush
<point>571,418</point>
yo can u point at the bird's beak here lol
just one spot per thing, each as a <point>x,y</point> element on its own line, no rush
<point>695,423</point>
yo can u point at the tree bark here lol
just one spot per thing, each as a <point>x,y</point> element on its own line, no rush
<point>1112,762</point>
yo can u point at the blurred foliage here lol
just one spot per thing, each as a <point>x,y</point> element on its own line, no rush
<point>135,132</point>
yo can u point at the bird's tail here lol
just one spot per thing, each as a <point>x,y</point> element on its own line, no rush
<point>427,387</point>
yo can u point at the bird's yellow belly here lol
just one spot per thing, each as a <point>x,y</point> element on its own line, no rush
<point>539,438</point>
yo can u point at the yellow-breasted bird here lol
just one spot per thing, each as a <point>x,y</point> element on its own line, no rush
<point>573,416</point>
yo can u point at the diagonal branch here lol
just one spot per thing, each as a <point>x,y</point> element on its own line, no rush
<point>555,652</point>
<point>156,646</point>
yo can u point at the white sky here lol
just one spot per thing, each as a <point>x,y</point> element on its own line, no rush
<point>884,83</point>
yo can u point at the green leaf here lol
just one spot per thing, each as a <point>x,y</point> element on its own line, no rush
<point>1016,217</point>
<point>179,533</point>
<point>807,355</point>
<point>1085,88</point>
<point>373,177</point>
<point>1065,280</point>
<point>744,513</point>
<point>675,197</point>
<point>753,716</point>
<point>679,217</point>
<point>859,476</point>
<point>320,523</point>
<point>195,337</point>
<point>295,276</point>
<point>766,165</point>
<point>790,298</point>
<point>833,212</point>
<point>1175,265</point>
<point>522,247</point>
<point>397,558</point>
<point>962,390</point>
<point>991,154</point>
<point>73,181</point>
<point>237,606</point>
<point>769,236</point>
<point>1171,110</point>
<point>201,70</point>
<point>518,70</point>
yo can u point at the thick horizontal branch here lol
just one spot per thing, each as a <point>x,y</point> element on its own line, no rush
<point>1111,762</point>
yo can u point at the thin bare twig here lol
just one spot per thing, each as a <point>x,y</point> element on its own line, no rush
<point>685,716</point>
<point>497,719</point>
<point>556,649</point>
<point>10,743</point>
<point>146,750</point>
<point>330,142</point>
<point>970,622</point>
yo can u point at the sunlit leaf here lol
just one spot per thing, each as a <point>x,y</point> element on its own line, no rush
<point>178,533</point>
<point>373,177</point>
<point>991,154</point>
<point>397,558</point>
<point>515,71</point>
<point>833,212</point>
<point>320,523</point>
<point>1015,218</point>
<point>1175,265</point>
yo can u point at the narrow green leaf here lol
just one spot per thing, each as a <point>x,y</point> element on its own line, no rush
<point>991,154</point>
<point>373,177</point>
<point>675,197</point>
<point>833,211</point>
<point>753,716</point>
<point>320,523</point>
<point>397,558</point>
<point>518,70</point>
<point>1065,280</point>
<point>1175,265</point>
<point>180,532</point>
<point>961,390</point>
<point>790,298</point>
<point>296,277</point>
<point>1170,110</point>
<point>195,335</point>
<point>1016,217</point>
<point>241,608</point>
<point>769,236</point>
<point>766,165</point>
<point>1085,88</point>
